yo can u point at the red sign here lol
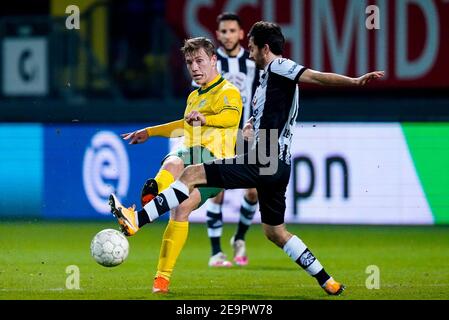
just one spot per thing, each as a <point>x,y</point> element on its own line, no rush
<point>408,39</point>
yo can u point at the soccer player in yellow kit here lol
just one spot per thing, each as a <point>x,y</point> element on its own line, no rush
<point>210,125</point>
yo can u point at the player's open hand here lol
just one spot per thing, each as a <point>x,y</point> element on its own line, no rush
<point>195,118</point>
<point>367,78</point>
<point>139,136</point>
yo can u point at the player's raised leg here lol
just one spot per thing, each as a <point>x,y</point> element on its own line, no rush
<point>171,169</point>
<point>177,193</point>
<point>247,211</point>
<point>129,220</point>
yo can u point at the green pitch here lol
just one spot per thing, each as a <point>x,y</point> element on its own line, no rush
<point>412,261</point>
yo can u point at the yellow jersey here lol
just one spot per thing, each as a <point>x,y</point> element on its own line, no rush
<point>221,104</point>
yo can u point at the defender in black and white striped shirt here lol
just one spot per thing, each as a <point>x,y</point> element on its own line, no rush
<point>276,103</point>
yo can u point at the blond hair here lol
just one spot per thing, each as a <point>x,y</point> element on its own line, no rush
<point>194,44</point>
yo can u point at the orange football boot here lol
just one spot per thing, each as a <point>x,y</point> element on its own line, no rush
<point>333,287</point>
<point>160,285</point>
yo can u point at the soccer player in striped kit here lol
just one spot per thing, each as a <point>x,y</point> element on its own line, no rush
<point>235,66</point>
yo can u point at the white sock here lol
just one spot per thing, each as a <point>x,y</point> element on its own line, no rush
<point>298,252</point>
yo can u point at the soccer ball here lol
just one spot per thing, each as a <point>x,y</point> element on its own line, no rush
<point>109,247</point>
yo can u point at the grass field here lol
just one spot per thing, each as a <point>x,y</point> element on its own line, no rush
<point>413,263</point>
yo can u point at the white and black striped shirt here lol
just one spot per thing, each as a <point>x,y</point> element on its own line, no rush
<point>276,102</point>
<point>241,71</point>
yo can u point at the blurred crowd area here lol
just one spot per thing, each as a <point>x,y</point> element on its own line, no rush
<point>128,51</point>
<point>122,49</point>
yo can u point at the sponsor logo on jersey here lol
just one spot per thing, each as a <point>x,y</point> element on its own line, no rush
<point>201,104</point>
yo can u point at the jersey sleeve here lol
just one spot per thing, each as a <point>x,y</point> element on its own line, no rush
<point>287,68</point>
<point>229,99</point>
<point>169,130</point>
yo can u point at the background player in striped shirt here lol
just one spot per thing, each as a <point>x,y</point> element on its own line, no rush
<point>236,66</point>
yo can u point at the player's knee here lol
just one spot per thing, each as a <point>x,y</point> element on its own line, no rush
<point>174,164</point>
<point>218,199</point>
<point>180,214</point>
<point>183,211</point>
<point>251,195</point>
<point>193,174</point>
<point>272,236</point>
<point>276,236</point>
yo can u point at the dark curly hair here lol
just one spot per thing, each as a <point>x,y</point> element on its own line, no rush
<point>264,32</point>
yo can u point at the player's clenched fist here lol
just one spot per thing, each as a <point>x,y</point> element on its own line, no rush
<point>195,118</point>
<point>367,78</point>
<point>248,130</point>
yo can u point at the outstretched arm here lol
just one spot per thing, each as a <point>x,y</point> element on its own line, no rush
<point>333,79</point>
<point>169,130</point>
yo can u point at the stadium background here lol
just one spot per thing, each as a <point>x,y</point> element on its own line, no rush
<point>376,155</point>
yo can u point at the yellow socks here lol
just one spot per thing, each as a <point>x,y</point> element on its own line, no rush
<point>175,234</point>
<point>173,241</point>
<point>164,179</point>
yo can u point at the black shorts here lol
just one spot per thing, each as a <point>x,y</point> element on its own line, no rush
<point>270,182</point>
